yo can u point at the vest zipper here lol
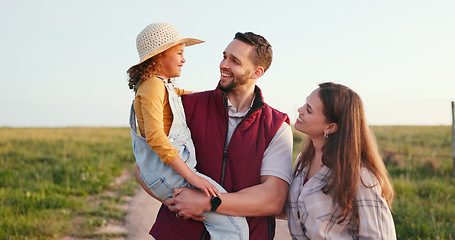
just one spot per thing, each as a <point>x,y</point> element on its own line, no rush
<point>223,167</point>
<point>204,234</point>
<point>225,151</point>
<point>270,225</point>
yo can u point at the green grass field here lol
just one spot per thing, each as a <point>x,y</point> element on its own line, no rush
<point>419,160</point>
<point>54,182</point>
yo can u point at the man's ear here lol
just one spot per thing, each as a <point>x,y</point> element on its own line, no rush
<point>258,73</point>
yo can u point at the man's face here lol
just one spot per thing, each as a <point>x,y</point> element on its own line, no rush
<point>236,67</point>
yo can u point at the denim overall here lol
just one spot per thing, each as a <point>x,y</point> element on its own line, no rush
<point>161,178</point>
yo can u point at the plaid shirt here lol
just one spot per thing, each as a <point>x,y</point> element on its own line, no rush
<point>312,214</point>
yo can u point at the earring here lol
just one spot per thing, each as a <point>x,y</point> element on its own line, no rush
<point>326,135</point>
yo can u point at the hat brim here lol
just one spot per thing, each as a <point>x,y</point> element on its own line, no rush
<point>186,41</point>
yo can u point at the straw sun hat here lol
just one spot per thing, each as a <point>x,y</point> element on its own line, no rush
<point>159,37</point>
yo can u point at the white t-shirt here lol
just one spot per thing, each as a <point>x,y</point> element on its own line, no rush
<point>277,160</point>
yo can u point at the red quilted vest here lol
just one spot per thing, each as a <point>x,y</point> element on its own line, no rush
<point>239,165</point>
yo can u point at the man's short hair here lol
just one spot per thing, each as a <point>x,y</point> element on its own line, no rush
<point>262,52</point>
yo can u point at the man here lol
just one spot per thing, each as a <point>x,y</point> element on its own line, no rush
<point>240,142</point>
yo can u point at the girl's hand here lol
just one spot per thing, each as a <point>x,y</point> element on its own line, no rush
<point>203,184</point>
<point>199,182</point>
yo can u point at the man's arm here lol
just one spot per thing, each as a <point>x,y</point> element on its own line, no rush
<point>264,199</point>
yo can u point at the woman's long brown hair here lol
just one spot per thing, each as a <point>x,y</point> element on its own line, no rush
<point>139,73</point>
<point>351,147</point>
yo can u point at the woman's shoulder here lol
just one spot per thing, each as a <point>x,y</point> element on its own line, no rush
<point>368,179</point>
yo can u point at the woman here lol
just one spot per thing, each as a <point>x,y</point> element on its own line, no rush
<point>163,149</point>
<point>341,188</point>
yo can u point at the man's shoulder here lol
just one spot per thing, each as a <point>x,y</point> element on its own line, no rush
<point>201,100</point>
<point>202,94</point>
<point>275,110</point>
<point>275,113</point>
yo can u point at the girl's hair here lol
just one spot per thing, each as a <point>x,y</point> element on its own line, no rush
<point>139,73</point>
<point>348,149</point>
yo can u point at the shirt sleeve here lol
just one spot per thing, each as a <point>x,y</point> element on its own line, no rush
<point>153,95</point>
<point>181,92</point>
<point>375,218</point>
<point>277,158</point>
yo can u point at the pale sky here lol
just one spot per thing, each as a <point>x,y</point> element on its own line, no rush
<point>63,63</point>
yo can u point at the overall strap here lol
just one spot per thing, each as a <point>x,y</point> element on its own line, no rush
<point>133,118</point>
<point>176,107</point>
<point>175,102</point>
<point>171,93</point>
<point>179,119</point>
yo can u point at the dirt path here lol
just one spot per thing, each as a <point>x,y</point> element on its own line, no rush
<point>142,211</point>
<point>141,215</point>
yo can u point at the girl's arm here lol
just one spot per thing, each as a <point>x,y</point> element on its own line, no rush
<point>150,98</point>
<point>152,95</point>
<point>181,92</point>
<point>179,166</point>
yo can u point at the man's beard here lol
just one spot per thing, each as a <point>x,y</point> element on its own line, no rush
<point>238,81</point>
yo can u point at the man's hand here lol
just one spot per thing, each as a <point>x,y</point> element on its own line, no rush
<point>189,203</point>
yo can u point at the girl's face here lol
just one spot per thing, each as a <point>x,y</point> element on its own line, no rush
<point>311,119</point>
<point>173,61</point>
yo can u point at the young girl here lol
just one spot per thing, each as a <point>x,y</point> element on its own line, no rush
<point>164,150</point>
<point>341,188</point>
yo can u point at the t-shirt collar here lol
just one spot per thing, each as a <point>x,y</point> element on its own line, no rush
<point>233,111</point>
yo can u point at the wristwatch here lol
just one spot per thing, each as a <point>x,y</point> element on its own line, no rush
<point>215,202</point>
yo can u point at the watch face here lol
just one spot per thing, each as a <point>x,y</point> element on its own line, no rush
<point>215,201</point>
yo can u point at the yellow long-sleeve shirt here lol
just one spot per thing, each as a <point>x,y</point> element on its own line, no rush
<point>154,116</point>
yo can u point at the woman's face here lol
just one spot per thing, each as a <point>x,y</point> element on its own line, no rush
<point>173,61</point>
<point>311,119</point>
